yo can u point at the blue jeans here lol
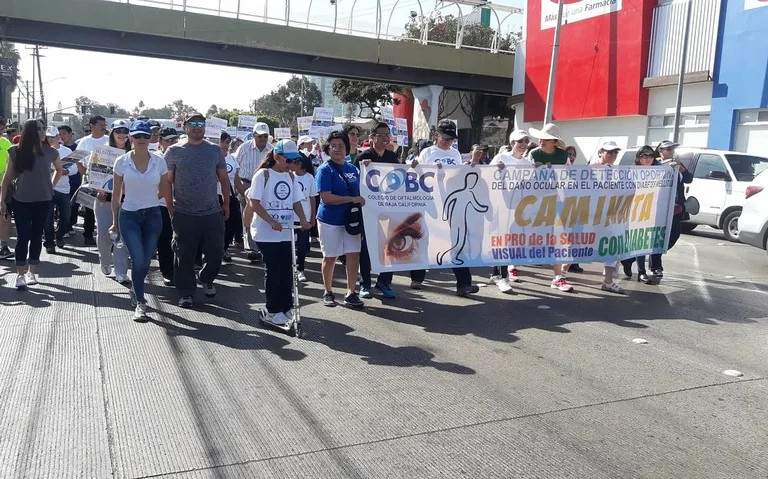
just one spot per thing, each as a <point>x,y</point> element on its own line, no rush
<point>140,231</point>
<point>60,202</point>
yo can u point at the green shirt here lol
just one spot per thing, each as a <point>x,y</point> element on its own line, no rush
<point>558,157</point>
<point>5,144</point>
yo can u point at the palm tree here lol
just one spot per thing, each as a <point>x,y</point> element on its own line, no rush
<point>8,51</point>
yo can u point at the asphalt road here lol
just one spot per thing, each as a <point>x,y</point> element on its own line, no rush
<point>535,384</point>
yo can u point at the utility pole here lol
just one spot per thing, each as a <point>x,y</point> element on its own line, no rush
<point>40,80</point>
<point>27,96</point>
<point>681,78</point>
<point>553,67</point>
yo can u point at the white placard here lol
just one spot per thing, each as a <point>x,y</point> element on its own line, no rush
<point>101,167</point>
<point>214,127</point>
<point>245,124</point>
<point>283,133</point>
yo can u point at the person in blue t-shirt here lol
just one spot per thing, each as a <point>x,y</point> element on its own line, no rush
<point>338,195</point>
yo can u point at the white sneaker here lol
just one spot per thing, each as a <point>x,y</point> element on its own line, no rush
<point>122,278</point>
<point>504,285</point>
<point>301,277</point>
<point>274,318</point>
<point>495,278</point>
<point>30,279</point>
<point>613,288</point>
<point>106,269</point>
<point>289,315</point>
<point>21,283</point>
<point>140,314</point>
<point>560,283</point>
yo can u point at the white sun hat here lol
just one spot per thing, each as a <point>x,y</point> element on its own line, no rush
<point>550,131</point>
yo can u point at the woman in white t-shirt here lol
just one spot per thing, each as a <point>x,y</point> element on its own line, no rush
<point>274,197</point>
<point>305,178</point>
<point>142,176</point>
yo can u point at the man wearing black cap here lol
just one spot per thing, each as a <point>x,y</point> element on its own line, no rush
<point>195,168</point>
<point>168,137</point>
<point>443,153</point>
<point>155,138</point>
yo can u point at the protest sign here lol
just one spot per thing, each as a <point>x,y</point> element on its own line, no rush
<point>427,218</point>
<point>85,196</point>
<point>388,115</point>
<point>231,131</point>
<point>322,118</point>
<point>101,167</point>
<point>305,124</point>
<point>245,125</point>
<point>214,127</point>
<point>283,133</point>
<point>402,131</point>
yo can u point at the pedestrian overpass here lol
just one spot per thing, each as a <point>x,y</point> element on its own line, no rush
<point>180,31</point>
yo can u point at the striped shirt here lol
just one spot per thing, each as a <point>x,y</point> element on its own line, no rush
<point>249,158</point>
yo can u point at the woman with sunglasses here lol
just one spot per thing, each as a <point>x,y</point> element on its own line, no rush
<point>275,197</point>
<point>354,134</point>
<point>112,252</point>
<point>142,176</point>
<point>29,169</point>
<point>515,157</point>
<point>645,156</point>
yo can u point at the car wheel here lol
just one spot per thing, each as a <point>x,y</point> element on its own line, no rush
<point>687,227</point>
<point>731,226</point>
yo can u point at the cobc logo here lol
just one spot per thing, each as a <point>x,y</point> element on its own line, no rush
<point>397,179</point>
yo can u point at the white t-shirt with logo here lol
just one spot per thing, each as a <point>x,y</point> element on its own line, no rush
<point>153,146</point>
<point>277,197</point>
<point>63,185</point>
<point>309,190</point>
<point>434,155</point>
<point>232,168</point>
<point>509,160</point>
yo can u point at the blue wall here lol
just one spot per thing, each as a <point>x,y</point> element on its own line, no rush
<point>741,69</point>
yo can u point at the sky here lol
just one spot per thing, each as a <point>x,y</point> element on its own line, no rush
<point>104,78</point>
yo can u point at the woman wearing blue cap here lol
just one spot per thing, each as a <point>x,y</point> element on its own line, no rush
<point>142,176</point>
<point>275,197</point>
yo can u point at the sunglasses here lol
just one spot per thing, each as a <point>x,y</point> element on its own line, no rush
<point>121,131</point>
<point>141,136</point>
<point>196,124</point>
<point>524,140</point>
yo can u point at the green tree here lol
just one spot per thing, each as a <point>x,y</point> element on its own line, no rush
<point>369,97</point>
<point>212,110</point>
<point>298,96</point>
<point>138,108</point>
<point>444,29</point>
<point>181,109</point>
<point>162,113</point>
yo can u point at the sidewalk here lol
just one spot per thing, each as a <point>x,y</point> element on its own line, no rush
<point>427,385</point>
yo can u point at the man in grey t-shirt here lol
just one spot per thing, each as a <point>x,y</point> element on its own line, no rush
<point>195,168</point>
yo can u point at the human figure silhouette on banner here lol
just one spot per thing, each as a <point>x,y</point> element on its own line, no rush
<point>455,210</point>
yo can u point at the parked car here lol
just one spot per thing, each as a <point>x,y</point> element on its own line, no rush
<point>753,223</point>
<point>717,194</point>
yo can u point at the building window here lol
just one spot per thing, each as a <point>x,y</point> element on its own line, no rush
<point>753,117</point>
<point>692,119</point>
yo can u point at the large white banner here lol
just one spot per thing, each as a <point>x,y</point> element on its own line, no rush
<point>750,4</point>
<point>576,10</point>
<point>428,218</point>
<point>214,127</point>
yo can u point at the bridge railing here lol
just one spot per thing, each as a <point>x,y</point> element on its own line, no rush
<point>370,19</point>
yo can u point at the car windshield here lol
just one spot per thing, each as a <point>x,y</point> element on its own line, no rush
<point>746,167</point>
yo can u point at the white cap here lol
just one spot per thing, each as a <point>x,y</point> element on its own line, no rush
<point>518,135</point>
<point>52,132</point>
<point>304,139</point>
<point>610,146</point>
<point>261,128</point>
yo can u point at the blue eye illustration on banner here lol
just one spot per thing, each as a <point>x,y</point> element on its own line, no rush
<point>282,190</point>
<point>109,185</point>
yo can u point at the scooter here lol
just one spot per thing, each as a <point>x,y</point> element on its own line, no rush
<point>293,326</point>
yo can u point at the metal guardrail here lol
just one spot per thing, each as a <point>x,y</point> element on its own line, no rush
<point>243,10</point>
